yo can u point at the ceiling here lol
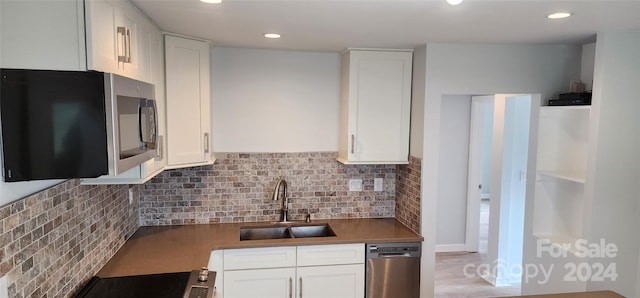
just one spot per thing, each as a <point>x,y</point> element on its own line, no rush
<point>333,25</point>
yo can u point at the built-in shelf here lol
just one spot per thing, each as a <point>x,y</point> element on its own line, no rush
<point>561,167</point>
<point>573,177</point>
<point>561,242</point>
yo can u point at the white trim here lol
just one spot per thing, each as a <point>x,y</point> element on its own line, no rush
<point>450,247</point>
<point>485,196</point>
<point>489,277</point>
<point>474,174</point>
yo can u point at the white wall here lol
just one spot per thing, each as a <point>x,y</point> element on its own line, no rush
<point>517,116</point>
<point>614,162</point>
<point>10,192</point>
<point>481,69</point>
<point>454,169</point>
<point>417,101</point>
<point>587,63</point>
<point>274,101</point>
<point>509,158</point>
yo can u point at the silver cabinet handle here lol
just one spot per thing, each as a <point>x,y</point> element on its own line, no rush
<point>353,144</point>
<point>290,287</point>
<point>122,31</point>
<point>206,142</point>
<point>128,46</point>
<point>300,287</point>
<point>159,145</point>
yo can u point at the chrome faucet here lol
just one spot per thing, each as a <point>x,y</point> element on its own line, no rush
<point>276,195</point>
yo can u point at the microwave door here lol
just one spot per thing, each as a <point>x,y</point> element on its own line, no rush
<point>136,132</point>
<point>148,124</point>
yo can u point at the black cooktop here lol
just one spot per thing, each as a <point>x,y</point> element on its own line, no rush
<point>165,285</point>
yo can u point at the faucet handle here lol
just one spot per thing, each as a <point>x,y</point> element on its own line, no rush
<point>308,217</point>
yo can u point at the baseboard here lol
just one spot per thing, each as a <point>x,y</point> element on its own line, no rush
<point>490,278</point>
<point>497,282</point>
<point>450,247</point>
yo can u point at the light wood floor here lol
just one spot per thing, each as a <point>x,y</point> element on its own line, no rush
<point>450,278</point>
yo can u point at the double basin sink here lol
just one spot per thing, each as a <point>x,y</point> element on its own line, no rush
<point>286,231</point>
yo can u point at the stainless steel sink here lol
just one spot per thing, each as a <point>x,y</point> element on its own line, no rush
<point>262,233</point>
<point>284,231</point>
<point>312,231</point>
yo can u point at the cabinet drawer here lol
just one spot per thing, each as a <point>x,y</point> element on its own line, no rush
<point>257,258</point>
<point>315,255</point>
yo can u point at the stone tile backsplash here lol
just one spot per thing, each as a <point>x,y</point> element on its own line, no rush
<point>239,188</point>
<point>54,241</point>
<point>408,194</point>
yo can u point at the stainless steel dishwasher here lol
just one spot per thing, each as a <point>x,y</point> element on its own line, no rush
<point>393,270</point>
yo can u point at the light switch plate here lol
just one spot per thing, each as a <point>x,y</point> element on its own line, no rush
<point>378,184</point>
<point>355,184</point>
<point>4,287</point>
<point>130,196</point>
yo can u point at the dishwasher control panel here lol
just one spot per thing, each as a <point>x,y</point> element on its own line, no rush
<point>409,249</point>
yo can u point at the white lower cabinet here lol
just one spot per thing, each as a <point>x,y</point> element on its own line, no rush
<point>260,283</point>
<point>335,271</point>
<point>338,281</point>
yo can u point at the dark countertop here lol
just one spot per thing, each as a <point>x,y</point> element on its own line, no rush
<point>594,294</point>
<point>163,249</point>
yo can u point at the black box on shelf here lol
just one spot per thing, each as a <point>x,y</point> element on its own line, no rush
<point>572,99</point>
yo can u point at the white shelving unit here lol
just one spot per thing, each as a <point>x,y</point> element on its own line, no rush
<point>561,167</point>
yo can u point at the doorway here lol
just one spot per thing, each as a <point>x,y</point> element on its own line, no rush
<point>507,167</point>
<point>504,125</point>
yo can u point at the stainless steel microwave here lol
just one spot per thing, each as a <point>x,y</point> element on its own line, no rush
<point>74,124</point>
<point>131,122</point>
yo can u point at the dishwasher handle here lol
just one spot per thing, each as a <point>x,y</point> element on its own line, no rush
<point>394,255</point>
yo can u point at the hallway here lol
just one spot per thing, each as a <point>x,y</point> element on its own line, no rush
<point>450,278</point>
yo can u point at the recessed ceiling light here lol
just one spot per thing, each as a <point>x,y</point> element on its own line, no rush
<point>272,35</point>
<point>454,2</point>
<point>211,1</point>
<point>559,15</point>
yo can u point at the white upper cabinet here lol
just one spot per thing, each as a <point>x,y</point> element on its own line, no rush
<point>188,102</point>
<point>114,38</point>
<point>42,35</point>
<point>375,107</point>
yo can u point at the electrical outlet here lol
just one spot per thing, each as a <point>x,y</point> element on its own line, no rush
<point>4,287</point>
<point>523,175</point>
<point>378,184</point>
<point>355,184</point>
<point>130,196</point>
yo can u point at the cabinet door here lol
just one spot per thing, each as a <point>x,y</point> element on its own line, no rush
<point>133,43</point>
<point>337,281</point>
<point>112,37</point>
<point>188,101</point>
<point>378,102</point>
<point>42,35</point>
<point>103,41</point>
<point>261,283</point>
